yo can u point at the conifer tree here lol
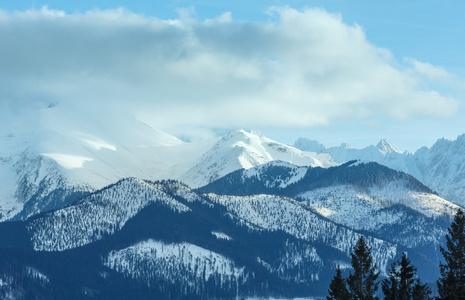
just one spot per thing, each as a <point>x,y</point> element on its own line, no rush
<point>390,286</point>
<point>420,291</point>
<point>403,283</point>
<point>451,284</point>
<point>362,283</point>
<point>337,287</point>
<point>407,274</point>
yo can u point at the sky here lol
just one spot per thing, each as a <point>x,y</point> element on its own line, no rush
<point>335,71</point>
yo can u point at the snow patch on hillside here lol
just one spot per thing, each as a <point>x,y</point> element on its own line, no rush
<point>151,260</point>
<point>68,161</point>
<point>221,236</point>
<point>36,274</point>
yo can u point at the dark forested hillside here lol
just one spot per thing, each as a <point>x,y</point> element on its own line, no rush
<point>138,239</point>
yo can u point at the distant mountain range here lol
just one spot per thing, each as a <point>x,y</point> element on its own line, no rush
<point>441,167</point>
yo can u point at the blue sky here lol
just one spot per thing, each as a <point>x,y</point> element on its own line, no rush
<point>253,63</point>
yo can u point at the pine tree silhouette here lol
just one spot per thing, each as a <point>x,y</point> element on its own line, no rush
<point>451,284</point>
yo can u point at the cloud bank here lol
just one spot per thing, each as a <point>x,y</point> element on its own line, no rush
<point>300,69</point>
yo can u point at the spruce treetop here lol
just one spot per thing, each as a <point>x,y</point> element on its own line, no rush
<point>362,282</point>
<point>451,284</point>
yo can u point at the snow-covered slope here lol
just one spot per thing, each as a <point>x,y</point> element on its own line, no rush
<point>182,264</point>
<point>278,213</point>
<point>440,167</point>
<point>244,150</point>
<point>51,156</point>
<point>379,209</point>
<point>362,196</point>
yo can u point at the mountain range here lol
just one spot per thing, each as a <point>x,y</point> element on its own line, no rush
<point>440,167</point>
<point>103,207</point>
<point>52,165</point>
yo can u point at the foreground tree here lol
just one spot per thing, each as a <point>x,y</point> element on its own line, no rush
<point>421,291</point>
<point>403,282</point>
<point>362,283</point>
<point>337,287</point>
<point>451,284</point>
<point>390,286</point>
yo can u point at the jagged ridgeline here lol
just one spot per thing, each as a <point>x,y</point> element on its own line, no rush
<point>139,239</point>
<point>439,167</point>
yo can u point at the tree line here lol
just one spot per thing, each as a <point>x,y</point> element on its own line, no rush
<point>403,282</point>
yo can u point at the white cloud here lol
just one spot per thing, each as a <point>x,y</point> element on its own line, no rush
<point>301,69</point>
<point>428,70</point>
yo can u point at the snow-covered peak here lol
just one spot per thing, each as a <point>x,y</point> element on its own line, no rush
<point>243,150</point>
<point>90,147</point>
<point>387,147</point>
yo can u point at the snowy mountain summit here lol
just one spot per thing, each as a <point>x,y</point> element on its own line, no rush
<point>387,147</point>
<point>243,150</point>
